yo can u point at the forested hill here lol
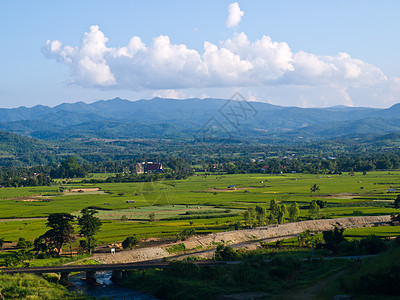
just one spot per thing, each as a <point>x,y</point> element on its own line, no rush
<point>182,119</point>
<point>19,150</point>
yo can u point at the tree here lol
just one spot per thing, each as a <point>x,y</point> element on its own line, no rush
<point>333,238</point>
<point>396,203</point>
<point>248,216</point>
<point>152,217</point>
<point>281,214</point>
<point>274,207</point>
<point>305,238</point>
<point>89,225</point>
<point>59,234</point>
<point>226,253</point>
<point>294,212</point>
<point>314,188</point>
<point>314,209</point>
<point>271,219</point>
<point>69,168</point>
<point>260,215</point>
<point>130,242</point>
<point>283,208</point>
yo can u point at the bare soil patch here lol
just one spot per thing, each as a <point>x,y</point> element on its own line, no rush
<point>84,190</point>
<point>31,200</point>
<point>339,196</point>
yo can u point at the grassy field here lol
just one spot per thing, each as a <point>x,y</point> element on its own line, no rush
<point>202,202</point>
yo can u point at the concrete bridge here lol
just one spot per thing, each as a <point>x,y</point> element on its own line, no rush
<point>118,270</point>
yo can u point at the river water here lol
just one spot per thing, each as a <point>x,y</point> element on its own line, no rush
<point>107,289</point>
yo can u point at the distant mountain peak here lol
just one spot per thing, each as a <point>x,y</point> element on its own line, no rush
<point>395,107</point>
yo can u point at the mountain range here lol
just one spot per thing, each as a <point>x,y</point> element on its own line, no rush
<point>187,119</point>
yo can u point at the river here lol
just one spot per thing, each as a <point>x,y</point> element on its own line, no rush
<point>107,289</point>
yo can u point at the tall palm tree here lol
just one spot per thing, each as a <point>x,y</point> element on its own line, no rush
<point>314,188</point>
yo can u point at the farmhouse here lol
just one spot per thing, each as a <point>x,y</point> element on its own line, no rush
<point>149,167</point>
<point>153,167</point>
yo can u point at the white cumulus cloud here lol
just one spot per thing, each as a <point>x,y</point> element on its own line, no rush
<point>235,62</point>
<point>234,15</point>
<point>170,94</point>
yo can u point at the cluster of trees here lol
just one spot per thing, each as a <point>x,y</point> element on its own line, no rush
<point>178,167</point>
<point>275,214</point>
<point>69,168</point>
<point>307,164</point>
<point>12,177</point>
<point>336,242</point>
<point>61,232</point>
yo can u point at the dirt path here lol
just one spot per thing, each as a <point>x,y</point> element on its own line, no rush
<point>248,238</point>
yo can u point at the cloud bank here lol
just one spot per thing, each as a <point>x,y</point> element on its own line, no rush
<point>235,62</point>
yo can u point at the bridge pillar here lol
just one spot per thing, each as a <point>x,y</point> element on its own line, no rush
<point>116,275</point>
<point>90,277</point>
<point>64,278</point>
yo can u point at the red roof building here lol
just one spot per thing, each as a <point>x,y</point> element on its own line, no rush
<point>153,167</point>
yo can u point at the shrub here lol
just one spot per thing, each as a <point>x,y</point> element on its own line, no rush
<point>176,248</point>
<point>130,242</point>
<point>227,253</point>
<point>372,245</point>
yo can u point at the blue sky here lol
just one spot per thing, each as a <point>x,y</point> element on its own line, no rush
<point>303,53</point>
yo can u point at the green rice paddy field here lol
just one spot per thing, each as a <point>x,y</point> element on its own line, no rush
<point>203,202</point>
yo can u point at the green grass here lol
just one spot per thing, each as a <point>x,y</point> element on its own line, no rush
<point>30,229</point>
<point>28,286</point>
<point>383,231</point>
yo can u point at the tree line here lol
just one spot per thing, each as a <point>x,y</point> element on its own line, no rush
<point>180,168</point>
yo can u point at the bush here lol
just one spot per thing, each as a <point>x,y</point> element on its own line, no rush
<point>227,253</point>
<point>372,245</point>
<point>176,248</point>
<point>333,238</point>
<point>24,244</point>
<point>130,242</point>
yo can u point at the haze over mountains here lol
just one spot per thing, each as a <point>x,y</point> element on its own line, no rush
<point>182,119</point>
